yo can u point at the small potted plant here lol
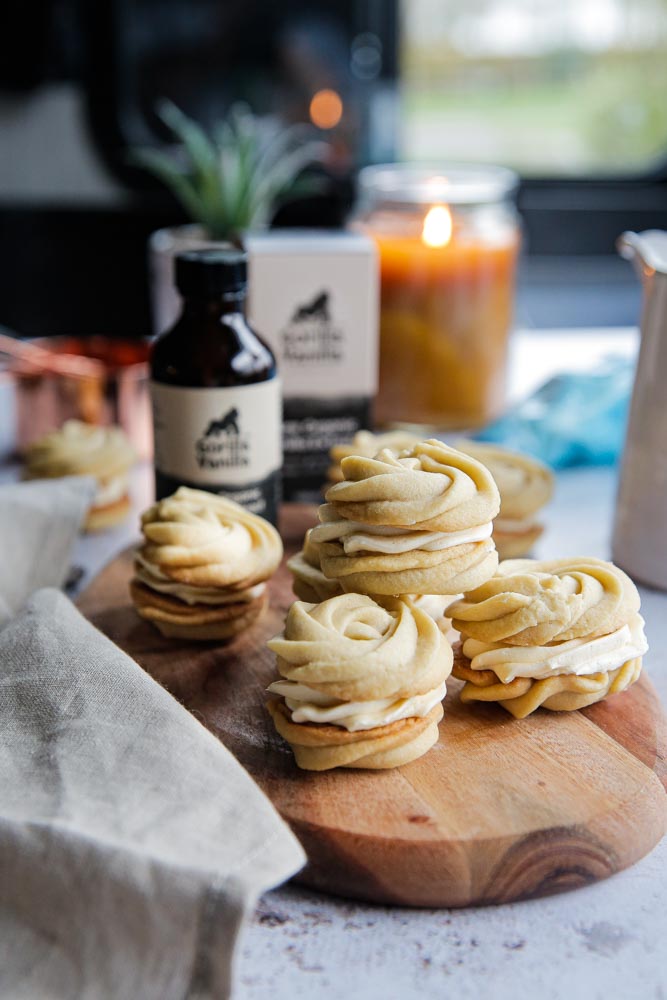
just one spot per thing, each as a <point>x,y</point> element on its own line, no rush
<point>230,183</point>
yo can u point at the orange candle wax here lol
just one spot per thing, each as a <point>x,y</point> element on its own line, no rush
<point>445,316</point>
<point>447,292</point>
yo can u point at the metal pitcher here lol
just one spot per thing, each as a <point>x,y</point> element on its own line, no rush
<point>640,530</point>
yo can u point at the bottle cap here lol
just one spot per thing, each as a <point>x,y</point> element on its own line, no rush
<point>211,273</point>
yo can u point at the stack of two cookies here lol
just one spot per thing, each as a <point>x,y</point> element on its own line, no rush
<point>201,571</point>
<point>559,634</point>
<point>419,524</point>
<point>80,449</point>
<point>525,484</point>
<point>395,529</point>
<point>362,682</point>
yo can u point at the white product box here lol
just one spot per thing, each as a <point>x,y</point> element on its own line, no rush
<point>313,296</point>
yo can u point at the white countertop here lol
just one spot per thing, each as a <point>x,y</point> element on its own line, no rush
<point>606,940</point>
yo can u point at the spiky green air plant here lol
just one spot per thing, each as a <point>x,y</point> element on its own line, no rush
<point>233,180</point>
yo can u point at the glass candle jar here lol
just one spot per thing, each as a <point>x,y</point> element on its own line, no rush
<point>448,242</point>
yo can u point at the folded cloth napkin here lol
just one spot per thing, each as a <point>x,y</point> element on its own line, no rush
<point>132,843</point>
<point>39,522</point>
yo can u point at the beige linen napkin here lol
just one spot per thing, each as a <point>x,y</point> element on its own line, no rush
<point>132,843</point>
<point>39,522</point>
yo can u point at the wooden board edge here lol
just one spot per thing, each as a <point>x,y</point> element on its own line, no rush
<point>544,862</point>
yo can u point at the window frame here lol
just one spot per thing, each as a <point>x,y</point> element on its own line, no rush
<point>586,215</point>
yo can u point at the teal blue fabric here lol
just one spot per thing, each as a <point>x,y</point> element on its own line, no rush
<point>574,419</point>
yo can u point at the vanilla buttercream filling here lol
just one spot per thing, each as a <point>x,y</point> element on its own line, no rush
<point>153,577</point>
<point>575,656</point>
<point>308,705</point>
<point>111,490</point>
<point>358,537</point>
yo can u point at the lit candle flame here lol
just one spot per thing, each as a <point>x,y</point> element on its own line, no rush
<point>326,109</point>
<point>437,231</point>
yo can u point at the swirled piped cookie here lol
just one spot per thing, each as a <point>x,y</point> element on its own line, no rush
<point>420,523</point>
<point>525,486</point>
<point>362,682</point>
<point>310,584</point>
<point>308,581</point>
<point>201,571</point>
<point>368,444</point>
<point>80,449</point>
<point>559,634</point>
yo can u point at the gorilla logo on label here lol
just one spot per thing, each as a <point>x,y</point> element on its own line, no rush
<point>229,424</point>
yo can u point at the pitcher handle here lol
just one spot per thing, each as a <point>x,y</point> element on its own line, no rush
<point>647,251</point>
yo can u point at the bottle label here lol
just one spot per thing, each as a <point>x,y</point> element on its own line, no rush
<point>311,427</point>
<point>224,440</point>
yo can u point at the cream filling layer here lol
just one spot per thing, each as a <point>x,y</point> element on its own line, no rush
<point>576,656</point>
<point>154,578</point>
<point>358,537</point>
<point>308,705</point>
<point>111,490</point>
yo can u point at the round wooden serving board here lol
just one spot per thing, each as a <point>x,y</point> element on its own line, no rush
<point>498,810</point>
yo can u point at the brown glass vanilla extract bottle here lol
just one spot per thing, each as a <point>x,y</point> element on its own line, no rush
<point>217,407</point>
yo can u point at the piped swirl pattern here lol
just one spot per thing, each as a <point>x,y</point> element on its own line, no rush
<point>530,602</point>
<point>354,648</point>
<point>559,634</point>
<point>431,488</point>
<point>204,540</point>
<point>415,524</point>
<point>363,684</point>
